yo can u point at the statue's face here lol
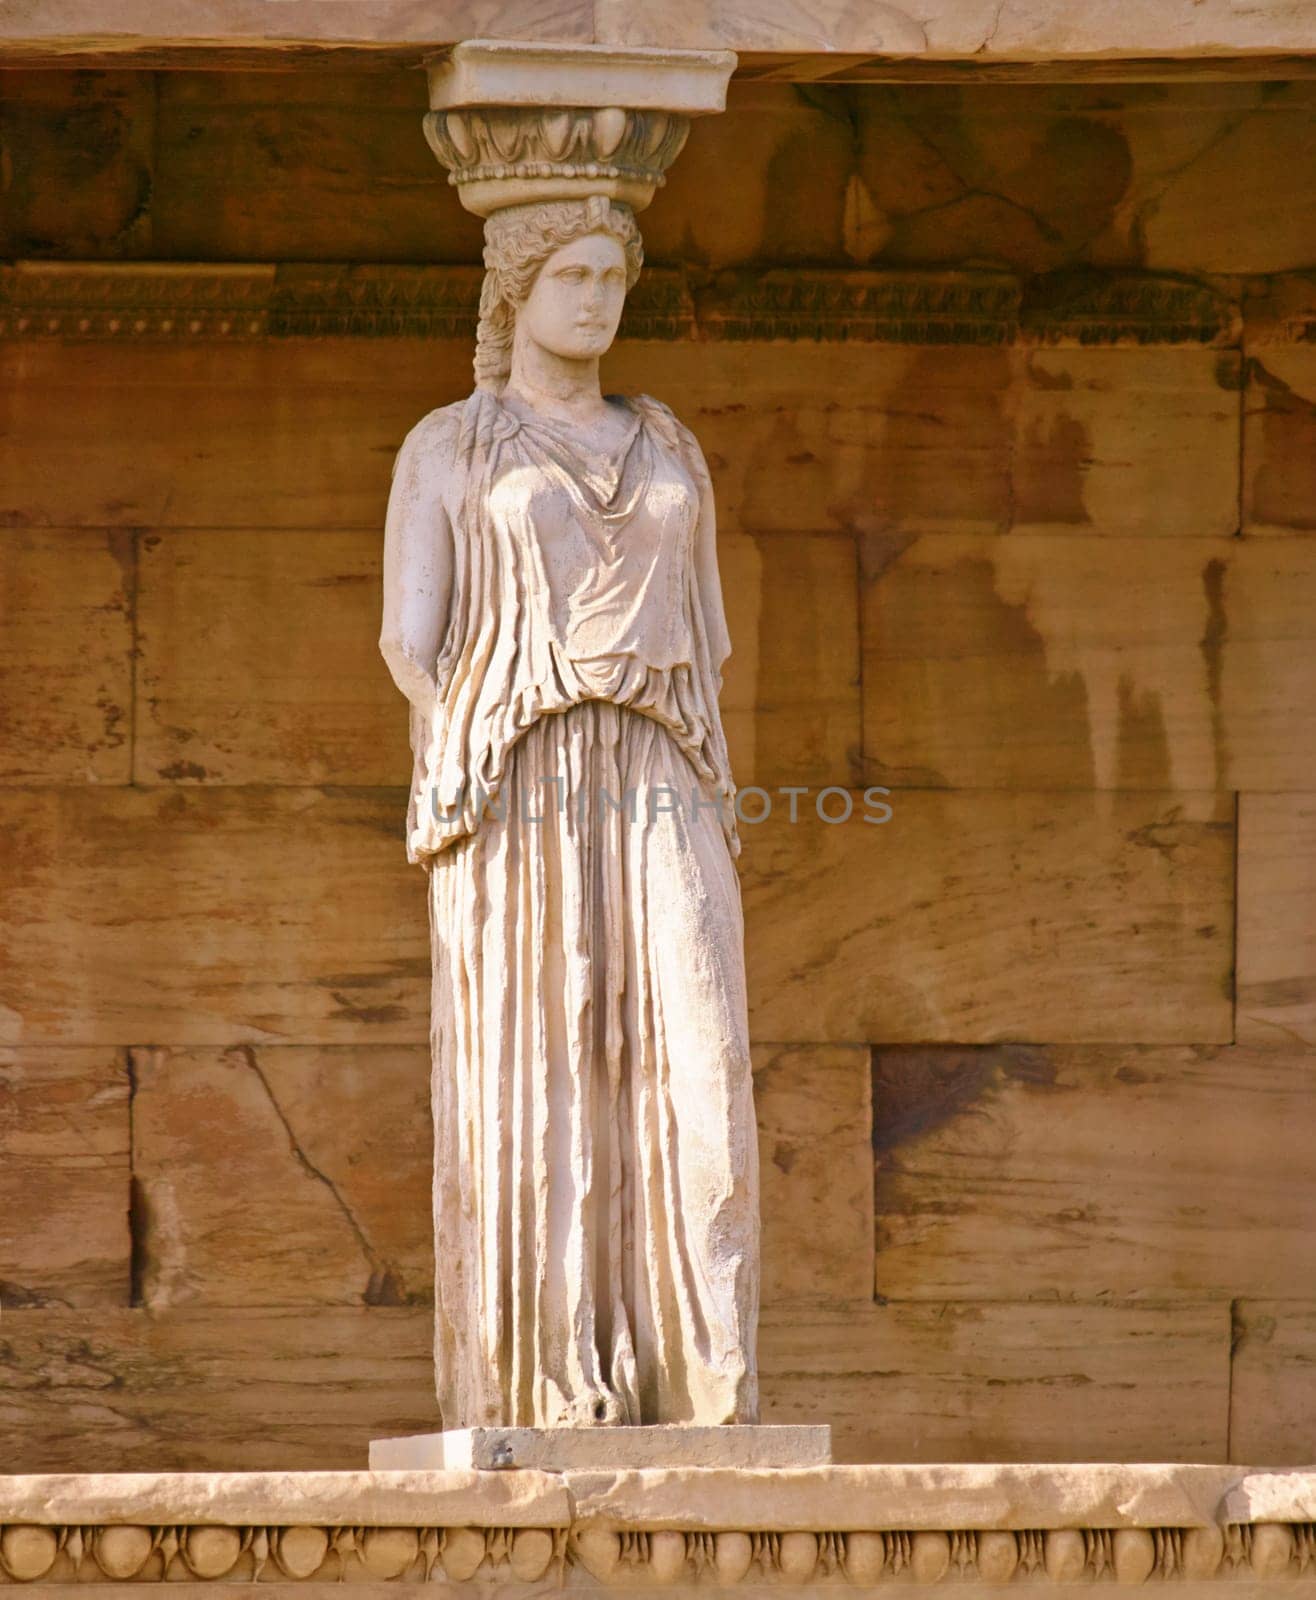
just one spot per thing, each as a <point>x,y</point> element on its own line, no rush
<point>576,301</point>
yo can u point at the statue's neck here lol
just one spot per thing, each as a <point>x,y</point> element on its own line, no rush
<point>556,386</point>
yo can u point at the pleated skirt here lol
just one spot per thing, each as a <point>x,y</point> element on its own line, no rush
<point>596,1170</point>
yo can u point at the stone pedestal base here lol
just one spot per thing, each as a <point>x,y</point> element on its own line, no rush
<point>1050,1531</point>
<point>602,1449</point>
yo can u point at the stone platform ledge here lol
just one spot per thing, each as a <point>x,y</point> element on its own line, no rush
<point>825,1527</point>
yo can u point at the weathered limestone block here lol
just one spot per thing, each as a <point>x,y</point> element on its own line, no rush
<point>236,687</point>
<point>1192,1527</point>
<point>302,167</point>
<point>1232,207</point>
<point>1130,664</point>
<point>870,438</point>
<point>767,129</point>
<point>225,435</point>
<point>1005,1382</point>
<point>1188,177</point>
<point>815,1171</point>
<point>215,1389</point>
<point>211,1390</point>
<point>283,1176</point>
<point>234,437</point>
<point>933,925</point>
<point>64,1178</point>
<point>1276,935</point>
<point>888,440</point>
<point>308,932</point>
<point>1093,1174</point>
<point>280,1175</point>
<point>790,694</point>
<point>1273,1389</point>
<point>900,1498</point>
<point>1093,430</point>
<point>79,159</point>
<point>526,1499</point>
<point>209,916</point>
<point>979,29</point>
<point>65,656</point>
<point>1279,439</point>
<point>259,662</point>
<point>1045,176</point>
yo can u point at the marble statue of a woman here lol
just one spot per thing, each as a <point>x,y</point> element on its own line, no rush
<point>553,614</point>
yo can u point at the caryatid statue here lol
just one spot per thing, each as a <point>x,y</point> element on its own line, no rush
<point>553,614</point>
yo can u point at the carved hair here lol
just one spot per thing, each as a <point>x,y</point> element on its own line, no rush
<point>517,242</point>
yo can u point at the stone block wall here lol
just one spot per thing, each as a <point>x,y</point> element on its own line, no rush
<point>1010,397</point>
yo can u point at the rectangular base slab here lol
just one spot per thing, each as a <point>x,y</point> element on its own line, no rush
<point>590,1449</point>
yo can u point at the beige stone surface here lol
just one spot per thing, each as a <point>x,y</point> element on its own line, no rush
<point>301,167</point>
<point>65,712</point>
<point>515,72</point>
<point>1276,937</point>
<point>930,927</point>
<point>207,1390</point>
<point>283,1175</point>
<point>968,28</point>
<point>346,1498</point>
<point>793,1529</point>
<point>208,916</point>
<point>685,1448</point>
<point>1269,662</point>
<point>1117,1173</point>
<point>300,435</point>
<point>215,1389</point>
<point>922,436</point>
<point>815,1171</point>
<point>330,165</point>
<point>278,1174</point>
<point>310,933</point>
<point>64,1178</point>
<point>258,662</point>
<point>1270,1497</point>
<point>227,435</point>
<point>791,687</point>
<point>1132,664</point>
<point>1229,208</point>
<point>956,439</point>
<point>945,1382</point>
<point>914,1498</point>
<point>1279,441</point>
<point>1093,430</point>
<point>1273,1388</point>
<point>1016,30</point>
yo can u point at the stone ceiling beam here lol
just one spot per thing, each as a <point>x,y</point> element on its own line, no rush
<point>820,40</point>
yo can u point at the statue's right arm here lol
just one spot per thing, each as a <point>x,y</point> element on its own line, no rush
<point>417,562</point>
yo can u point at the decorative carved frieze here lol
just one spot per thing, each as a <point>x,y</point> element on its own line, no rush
<point>88,300</point>
<point>1102,308</point>
<point>150,301</point>
<point>863,307</point>
<point>310,1552</point>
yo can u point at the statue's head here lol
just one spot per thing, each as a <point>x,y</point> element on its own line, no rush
<point>559,272</point>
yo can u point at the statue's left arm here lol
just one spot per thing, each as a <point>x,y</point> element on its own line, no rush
<point>417,561</point>
<point>706,569</point>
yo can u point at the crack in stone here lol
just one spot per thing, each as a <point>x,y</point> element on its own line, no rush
<point>993,30</point>
<point>384,1287</point>
<point>1165,181</point>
